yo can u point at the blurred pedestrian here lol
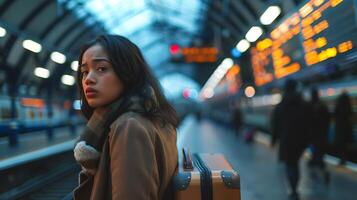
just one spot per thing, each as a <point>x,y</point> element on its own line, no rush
<point>198,111</point>
<point>343,126</point>
<point>128,148</point>
<point>319,133</point>
<point>237,120</point>
<point>290,125</point>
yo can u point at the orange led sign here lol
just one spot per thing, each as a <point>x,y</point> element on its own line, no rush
<point>196,54</point>
<point>33,102</point>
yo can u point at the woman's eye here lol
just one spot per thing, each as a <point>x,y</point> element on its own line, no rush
<point>101,69</point>
<point>84,73</point>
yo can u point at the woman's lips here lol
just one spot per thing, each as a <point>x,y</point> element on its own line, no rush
<point>90,93</point>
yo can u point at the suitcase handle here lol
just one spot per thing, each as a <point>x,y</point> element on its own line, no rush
<point>187,159</point>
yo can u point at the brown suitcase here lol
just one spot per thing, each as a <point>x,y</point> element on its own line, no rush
<point>210,177</point>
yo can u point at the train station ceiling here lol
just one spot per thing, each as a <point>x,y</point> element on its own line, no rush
<point>47,34</point>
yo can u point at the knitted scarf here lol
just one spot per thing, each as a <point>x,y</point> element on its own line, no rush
<point>88,148</point>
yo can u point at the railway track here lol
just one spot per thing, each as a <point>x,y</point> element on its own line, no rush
<point>49,174</point>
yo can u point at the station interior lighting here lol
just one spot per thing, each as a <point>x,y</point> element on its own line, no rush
<point>193,93</point>
<point>235,53</point>
<point>266,100</point>
<point>2,32</point>
<point>74,65</point>
<point>208,93</point>
<point>68,79</point>
<point>174,49</point>
<point>33,102</point>
<point>254,33</point>
<point>249,91</point>
<point>77,104</point>
<point>32,46</point>
<point>269,15</point>
<point>58,57</point>
<point>42,72</point>
<point>186,93</point>
<point>243,45</point>
<point>207,90</point>
<point>189,93</point>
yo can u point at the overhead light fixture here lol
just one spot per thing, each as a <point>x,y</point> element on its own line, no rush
<point>77,104</point>
<point>270,14</point>
<point>227,63</point>
<point>208,89</point>
<point>235,53</point>
<point>243,45</point>
<point>58,57</point>
<point>32,46</point>
<point>68,79</point>
<point>208,93</point>
<point>42,72</point>
<point>249,91</point>
<point>2,32</point>
<point>254,33</point>
<point>74,65</point>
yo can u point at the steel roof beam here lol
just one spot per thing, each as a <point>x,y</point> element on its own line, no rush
<point>255,6</point>
<point>245,10</point>
<point>25,55</point>
<point>220,20</point>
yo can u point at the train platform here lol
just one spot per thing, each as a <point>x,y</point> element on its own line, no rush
<point>35,141</point>
<point>262,176</point>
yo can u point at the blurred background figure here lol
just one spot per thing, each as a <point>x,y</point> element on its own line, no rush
<point>198,111</point>
<point>343,125</point>
<point>290,124</point>
<point>319,133</point>
<point>237,120</point>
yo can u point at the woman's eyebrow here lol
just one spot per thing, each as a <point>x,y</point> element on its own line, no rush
<point>98,59</point>
<point>95,60</point>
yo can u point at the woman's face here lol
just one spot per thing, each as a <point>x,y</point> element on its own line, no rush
<point>100,83</point>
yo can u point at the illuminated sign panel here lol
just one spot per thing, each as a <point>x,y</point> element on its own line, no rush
<point>33,102</point>
<point>193,54</point>
<point>318,31</point>
<point>203,54</point>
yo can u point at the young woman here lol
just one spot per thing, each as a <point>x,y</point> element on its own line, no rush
<point>128,149</point>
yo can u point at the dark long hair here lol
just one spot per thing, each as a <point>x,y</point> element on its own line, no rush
<point>133,71</point>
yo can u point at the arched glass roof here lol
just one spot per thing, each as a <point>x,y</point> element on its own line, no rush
<point>151,24</point>
<point>127,18</point>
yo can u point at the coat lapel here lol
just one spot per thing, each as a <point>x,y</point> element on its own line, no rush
<point>102,180</point>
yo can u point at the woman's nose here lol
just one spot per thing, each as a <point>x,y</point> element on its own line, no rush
<point>90,79</point>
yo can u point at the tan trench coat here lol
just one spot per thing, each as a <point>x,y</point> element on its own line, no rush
<point>138,160</point>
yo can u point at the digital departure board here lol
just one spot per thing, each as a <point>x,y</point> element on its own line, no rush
<point>318,31</point>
